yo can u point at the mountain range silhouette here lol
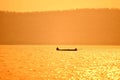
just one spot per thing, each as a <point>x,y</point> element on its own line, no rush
<point>80,26</point>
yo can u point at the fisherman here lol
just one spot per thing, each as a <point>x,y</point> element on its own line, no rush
<point>75,49</point>
<point>57,48</point>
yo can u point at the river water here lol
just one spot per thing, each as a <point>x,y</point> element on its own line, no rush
<point>43,62</point>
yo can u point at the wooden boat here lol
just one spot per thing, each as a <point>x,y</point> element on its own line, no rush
<point>75,49</point>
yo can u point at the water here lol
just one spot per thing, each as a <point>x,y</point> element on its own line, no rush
<point>43,62</point>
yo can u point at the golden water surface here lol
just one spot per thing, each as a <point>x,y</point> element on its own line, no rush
<point>43,62</point>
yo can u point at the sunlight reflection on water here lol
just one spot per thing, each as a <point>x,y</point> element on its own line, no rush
<point>35,62</point>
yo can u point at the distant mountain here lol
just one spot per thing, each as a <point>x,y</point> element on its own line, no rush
<point>81,26</point>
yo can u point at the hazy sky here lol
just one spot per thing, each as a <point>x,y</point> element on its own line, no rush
<point>45,5</point>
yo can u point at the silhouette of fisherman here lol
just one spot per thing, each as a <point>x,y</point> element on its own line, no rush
<point>57,48</point>
<point>75,49</point>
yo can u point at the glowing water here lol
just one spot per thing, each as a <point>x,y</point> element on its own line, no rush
<point>43,62</point>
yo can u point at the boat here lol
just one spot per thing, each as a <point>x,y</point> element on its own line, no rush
<point>75,49</point>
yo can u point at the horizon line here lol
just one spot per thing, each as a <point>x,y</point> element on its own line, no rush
<point>59,10</point>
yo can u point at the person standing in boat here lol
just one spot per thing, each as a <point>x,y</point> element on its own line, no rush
<point>75,49</point>
<point>57,48</point>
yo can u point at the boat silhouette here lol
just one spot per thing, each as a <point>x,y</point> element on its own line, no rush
<point>58,49</point>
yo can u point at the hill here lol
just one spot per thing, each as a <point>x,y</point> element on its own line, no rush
<point>81,26</point>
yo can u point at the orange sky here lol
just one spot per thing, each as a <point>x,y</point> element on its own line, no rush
<point>45,5</point>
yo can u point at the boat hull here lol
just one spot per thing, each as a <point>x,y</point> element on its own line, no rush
<point>66,49</point>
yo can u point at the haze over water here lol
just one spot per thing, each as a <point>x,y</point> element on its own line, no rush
<point>79,27</point>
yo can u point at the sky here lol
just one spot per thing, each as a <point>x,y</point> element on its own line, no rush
<point>48,5</point>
